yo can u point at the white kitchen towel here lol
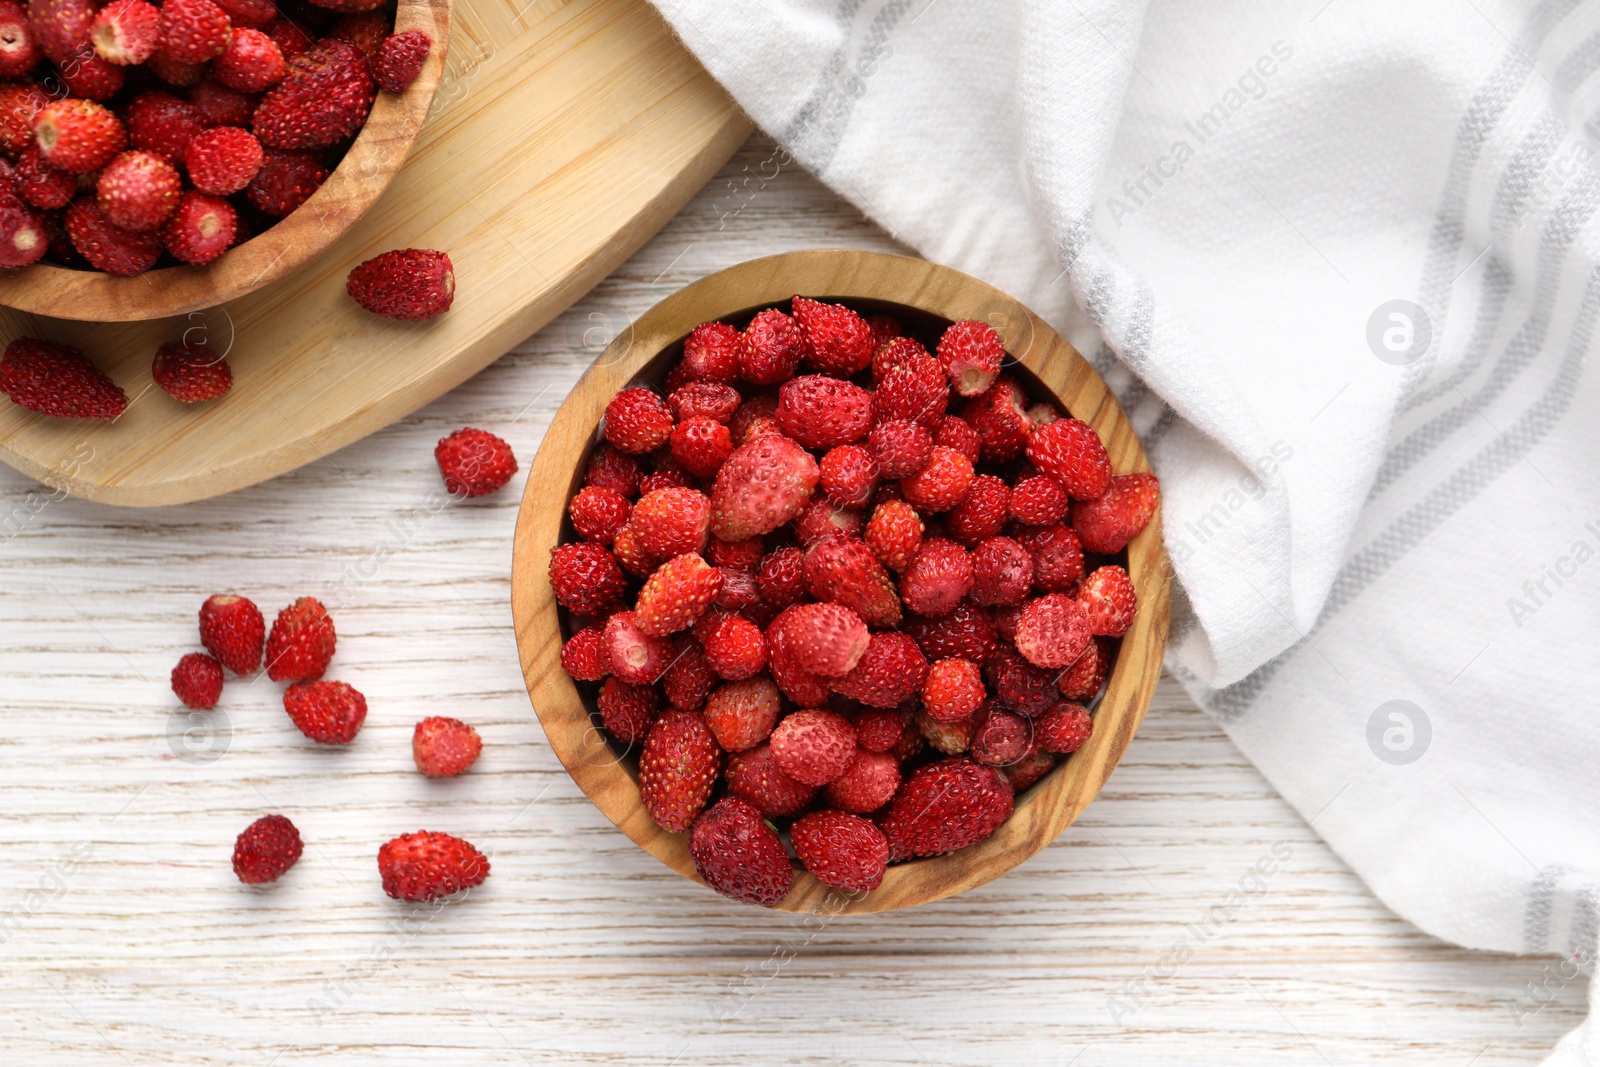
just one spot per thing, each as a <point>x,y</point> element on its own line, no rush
<point>1341,260</point>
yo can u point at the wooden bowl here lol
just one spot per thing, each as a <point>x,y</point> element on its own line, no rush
<point>915,289</point>
<point>374,158</point>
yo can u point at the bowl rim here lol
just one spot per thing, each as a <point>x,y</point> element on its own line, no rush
<point>1044,810</point>
<point>371,163</point>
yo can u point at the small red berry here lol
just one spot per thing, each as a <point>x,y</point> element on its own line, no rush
<point>191,373</point>
<point>266,849</point>
<point>400,58</point>
<point>474,462</point>
<point>197,680</point>
<point>330,713</point>
<point>408,283</point>
<point>443,747</point>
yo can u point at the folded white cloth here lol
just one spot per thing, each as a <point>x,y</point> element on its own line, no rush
<point>1340,259</point>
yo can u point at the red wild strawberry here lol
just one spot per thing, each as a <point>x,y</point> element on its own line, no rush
<point>752,418</point>
<point>266,849</point>
<point>193,31</point>
<point>250,63</point>
<point>702,446</point>
<point>822,412</point>
<point>849,474</point>
<point>910,745</point>
<point>940,485</point>
<point>827,638</point>
<point>671,522</point>
<point>1108,523</point>
<point>286,180</point>
<point>287,34</point>
<point>598,513</point>
<point>891,670</point>
<point>400,59</point>
<point>252,13</point>
<point>878,730</point>
<point>954,690</point>
<point>1002,571</point>
<point>894,533</point>
<point>330,713</point>
<point>232,629</point>
<point>1071,452</point>
<point>912,388</point>
<point>742,714</point>
<point>901,447</point>
<point>814,746</point>
<point>999,737</point>
<point>1001,421</point>
<point>191,373</point>
<point>138,191</point>
<point>678,768</point>
<point>770,348</point>
<point>1064,728</point>
<point>844,570</point>
<point>631,554</point>
<point>23,237</point>
<point>736,555</point>
<point>690,679</point>
<point>844,851</point>
<point>1107,595</point>
<point>1057,557</point>
<point>739,855</point>
<point>1018,684</point>
<point>197,680</point>
<point>474,462</point>
<point>60,27</point>
<point>937,579</point>
<point>1053,630</point>
<point>443,748</point>
<point>946,806</point>
<point>955,432</point>
<point>220,106</point>
<point>1029,769</point>
<point>704,399</point>
<point>673,477</point>
<point>126,32</point>
<point>57,380</point>
<point>838,341</point>
<point>1083,679</point>
<point>175,72</point>
<point>581,656</point>
<point>631,654</point>
<point>89,77</point>
<point>736,649</point>
<point>408,283</point>
<point>223,160</point>
<point>19,51</point>
<point>951,738</point>
<point>365,30</point>
<point>885,328</point>
<point>613,469</point>
<point>822,517</point>
<point>798,683</point>
<point>711,353</point>
<point>1038,501</point>
<point>676,595</point>
<point>323,98</point>
<point>301,642</point>
<point>764,484</point>
<point>78,135</point>
<point>781,577</point>
<point>638,421</point>
<point>626,710</point>
<point>20,104</point>
<point>426,865</point>
<point>42,185</point>
<point>971,353</point>
<point>161,123</point>
<point>868,783</point>
<point>201,229</point>
<point>965,633</point>
<point>755,778</point>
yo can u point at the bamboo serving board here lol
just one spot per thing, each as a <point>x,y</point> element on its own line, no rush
<point>562,136</point>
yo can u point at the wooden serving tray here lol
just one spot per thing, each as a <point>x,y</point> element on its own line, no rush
<point>562,136</point>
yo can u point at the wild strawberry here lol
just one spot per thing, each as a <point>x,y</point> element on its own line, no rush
<point>704,399</point>
<point>598,513</point>
<point>638,420</point>
<point>223,160</point>
<point>752,418</point>
<point>57,380</point>
<point>631,554</point>
<point>1071,452</point>
<point>797,682</point>
<point>197,680</point>
<point>893,351</point>
<point>1057,557</point>
<point>631,654</point>
<point>89,77</point>
<point>913,389</point>
<point>1087,675</point>
<point>1064,728</point>
<point>19,50</point>
<point>408,283</point>
<point>950,738</point>
<point>78,135</point>
<point>191,373</point>
<point>781,577</point>
<point>739,855</point>
<point>946,806</point>
<point>878,730</point>
<point>252,13</point>
<point>201,229</point>
<point>60,27</point>
<point>940,485</point>
<point>690,679</point>
<point>844,570</point>
<point>443,748</point>
<point>911,742</point>
<point>673,477</point>
<point>1002,571</point>
<point>581,656</point>
<point>286,180</point>
<point>20,104</point>
<point>999,737</point>
<point>42,185</point>
<point>971,353</point>
<point>330,713</point>
<point>823,517</point>
<point>366,30</point>
<point>822,412</point>
<point>427,865</point>
<point>193,31</point>
<point>265,850</point>
<point>770,348</point>
<point>885,328</point>
<point>23,237</point>
<point>965,633</point>
<point>702,446</point>
<point>161,123</point>
<point>1001,421</point>
<point>838,341</point>
<point>954,690</point>
<point>894,533</point>
<point>178,73</point>
<point>138,191</point>
<point>1005,624</point>
<point>764,484</point>
<point>844,851</point>
<point>671,522</point>
<point>250,63</point>
<point>1018,684</point>
<point>737,555</point>
<point>627,710</point>
<point>323,98</point>
<point>827,638</point>
<point>287,34</point>
<point>901,447</point>
<point>220,106</point>
<point>955,432</point>
<point>1038,501</point>
<point>849,474</point>
<point>1053,630</point>
<point>126,32</point>
<point>937,579</point>
<point>742,714</point>
<point>400,59</point>
<point>1108,523</point>
<point>866,784</point>
<point>814,746</point>
<point>737,649</point>
<point>613,469</point>
<point>891,670</point>
<point>711,353</point>
<point>1029,769</point>
<point>474,462</point>
<point>1107,595</point>
<point>676,595</point>
<point>301,642</point>
<point>678,768</point>
<point>232,629</point>
<point>754,777</point>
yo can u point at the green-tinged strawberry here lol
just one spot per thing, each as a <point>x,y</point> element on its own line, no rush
<point>678,768</point>
<point>844,570</point>
<point>739,855</point>
<point>946,806</point>
<point>764,484</point>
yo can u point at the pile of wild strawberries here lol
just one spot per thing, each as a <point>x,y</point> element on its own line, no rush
<point>131,131</point>
<point>884,662</point>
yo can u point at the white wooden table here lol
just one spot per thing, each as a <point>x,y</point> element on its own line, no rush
<point>124,937</point>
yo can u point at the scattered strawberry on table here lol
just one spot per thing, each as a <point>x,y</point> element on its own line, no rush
<point>831,582</point>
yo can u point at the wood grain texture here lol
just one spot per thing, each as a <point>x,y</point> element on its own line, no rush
<point>581,948</point>
<point>361,177</point>
<point>561,137</point>
<point>866,280</point>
